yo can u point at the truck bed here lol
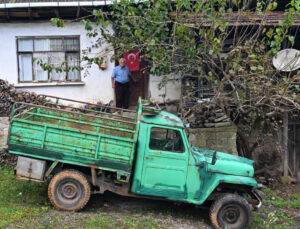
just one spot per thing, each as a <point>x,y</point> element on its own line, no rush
<point>85,137</point>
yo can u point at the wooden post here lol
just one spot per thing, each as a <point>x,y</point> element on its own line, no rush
<point>294,169</point>
<point>285,145</point>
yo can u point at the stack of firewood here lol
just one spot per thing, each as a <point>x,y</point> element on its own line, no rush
<point>9,95</point>
<point>205,115</point>
<point>7,158</point>
<point>199,109</point>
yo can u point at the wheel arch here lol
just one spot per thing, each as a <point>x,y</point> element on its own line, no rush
<point>226,182</point>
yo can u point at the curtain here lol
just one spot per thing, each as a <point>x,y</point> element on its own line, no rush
<point>25,45</point>
<point>39,73</point>
<point>72,61</point>
<point>25,67</point>
<point>41,45</point>
<point>57,59</point>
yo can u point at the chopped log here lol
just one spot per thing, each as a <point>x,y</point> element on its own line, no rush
<point>221,118</point>
<point>209,125</point>
<point>223,124</point>
<point>219,114</point>
<point>187,113</point>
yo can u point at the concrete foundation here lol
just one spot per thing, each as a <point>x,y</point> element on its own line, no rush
<point>4,124</point>
<point>220,139</point>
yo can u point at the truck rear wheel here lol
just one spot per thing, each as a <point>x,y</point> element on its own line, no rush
<point>230,211</point>
<point>69,190</point>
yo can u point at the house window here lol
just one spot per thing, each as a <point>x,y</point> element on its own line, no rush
<point>60,52</point>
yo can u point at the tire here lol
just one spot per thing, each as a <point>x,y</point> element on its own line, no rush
<point>230,211</point>
<point>69,190</point>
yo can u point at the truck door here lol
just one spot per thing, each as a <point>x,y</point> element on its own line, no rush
<point>165,163</point>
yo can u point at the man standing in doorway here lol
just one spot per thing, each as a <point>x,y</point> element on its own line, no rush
<point>120,81</point>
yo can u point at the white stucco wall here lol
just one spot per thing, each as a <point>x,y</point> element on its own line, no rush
<point>97,85</point>
<point>171,90</point>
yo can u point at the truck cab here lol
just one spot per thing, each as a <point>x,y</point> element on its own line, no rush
<point>167,166</point>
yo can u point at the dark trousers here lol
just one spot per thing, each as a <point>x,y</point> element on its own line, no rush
<point>122,95</point>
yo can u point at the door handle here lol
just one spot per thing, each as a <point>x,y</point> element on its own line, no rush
<point>147,157</point>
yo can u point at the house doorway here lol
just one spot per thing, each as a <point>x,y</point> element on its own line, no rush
<point>140,87</point>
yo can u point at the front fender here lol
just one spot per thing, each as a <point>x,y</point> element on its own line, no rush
<point>214,180</point>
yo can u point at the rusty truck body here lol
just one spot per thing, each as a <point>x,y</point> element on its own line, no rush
<point>142,153</point>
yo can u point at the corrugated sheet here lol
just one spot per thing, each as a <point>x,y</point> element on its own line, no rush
<point>244,19</point>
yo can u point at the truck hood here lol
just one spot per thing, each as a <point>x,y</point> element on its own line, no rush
<point>225,163</point>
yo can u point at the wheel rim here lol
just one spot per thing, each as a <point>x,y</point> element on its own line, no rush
<point>69,192</point>
<point>232,215</point>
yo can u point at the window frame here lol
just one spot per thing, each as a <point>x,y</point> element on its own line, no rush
<point>32,53</point>
<point>168,128</point>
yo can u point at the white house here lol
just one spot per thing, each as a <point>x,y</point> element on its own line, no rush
<point>26,35</point>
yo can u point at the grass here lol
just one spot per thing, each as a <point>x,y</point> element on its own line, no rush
<point>112,221</point>
<point>20,199</point>
<point>274,199</point>
<point>23,204</point>
<point>272,219</point>
<point>102,220</point>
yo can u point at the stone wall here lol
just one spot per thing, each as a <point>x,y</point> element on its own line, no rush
<point>4,124</point>
<point>220,139</point>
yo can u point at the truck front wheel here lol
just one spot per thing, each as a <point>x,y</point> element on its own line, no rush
<point>230,211</point>
<point>69,190</point>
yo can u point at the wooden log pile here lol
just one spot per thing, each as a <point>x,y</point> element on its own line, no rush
<point>7,158</point>
<point>205,115</point>
<point>9,95</point>
<point>199,109</point>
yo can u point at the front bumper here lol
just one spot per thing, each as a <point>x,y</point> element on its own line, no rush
<point>256,202</point>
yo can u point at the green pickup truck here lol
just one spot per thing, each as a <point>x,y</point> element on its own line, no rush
<point>144,153</point>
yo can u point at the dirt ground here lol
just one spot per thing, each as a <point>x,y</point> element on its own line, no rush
<point>142,213</point>
<point>25,205</point>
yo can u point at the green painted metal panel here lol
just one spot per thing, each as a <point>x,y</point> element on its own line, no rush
<point>139,161</point>
<point>157,172</point>
<point>163,119</point>
<point>164,172</point>
<point>88,119</point>
<point>123,168</point>
<point>73,138</point>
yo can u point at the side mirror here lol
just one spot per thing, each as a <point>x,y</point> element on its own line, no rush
<point>214,158</point>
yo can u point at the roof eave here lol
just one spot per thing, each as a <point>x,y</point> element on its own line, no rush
<point>54,4</point>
